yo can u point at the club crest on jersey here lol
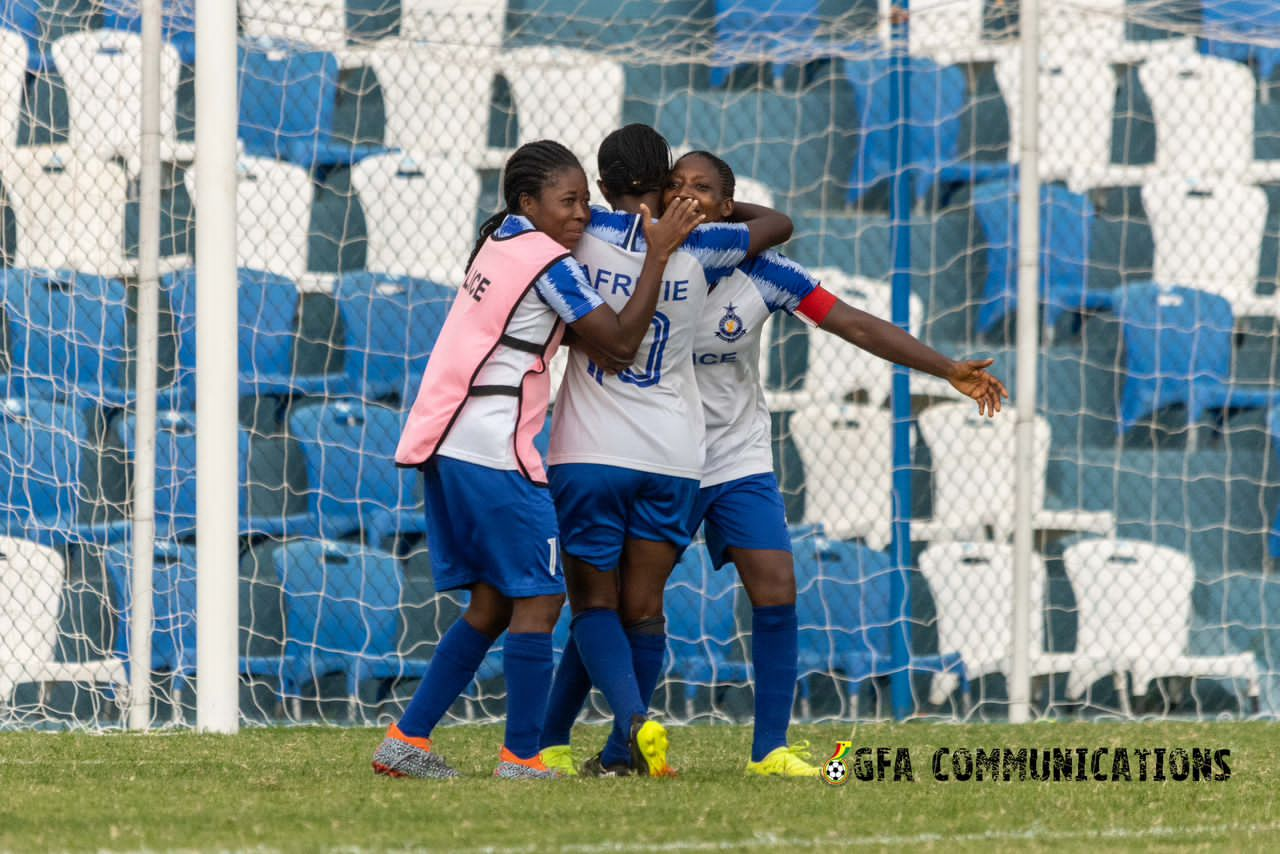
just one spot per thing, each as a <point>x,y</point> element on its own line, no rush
<point>731,327</point>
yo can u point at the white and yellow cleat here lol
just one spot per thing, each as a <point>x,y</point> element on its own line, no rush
<point>559,757</point>
<point>788,761</point>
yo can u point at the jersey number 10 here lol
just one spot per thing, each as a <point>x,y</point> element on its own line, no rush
<point>651,373</point>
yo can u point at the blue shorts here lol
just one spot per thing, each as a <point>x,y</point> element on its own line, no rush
<point>746,513</point>
<point>601,507</point>
<point>493,526</point>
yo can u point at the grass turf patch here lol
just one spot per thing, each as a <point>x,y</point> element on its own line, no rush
<point>297,789</point>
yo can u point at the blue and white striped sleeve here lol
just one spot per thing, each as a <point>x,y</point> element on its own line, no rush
<point>616,228</point>
<point>782,283</point>
<point>719,247</point>
<point>566,291</point>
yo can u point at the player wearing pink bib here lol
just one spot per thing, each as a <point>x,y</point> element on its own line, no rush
<point>491,525</point>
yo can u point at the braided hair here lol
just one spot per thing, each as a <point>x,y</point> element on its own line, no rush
<point>727,181</point>
<point>527,171</point>
<point>633,160</point>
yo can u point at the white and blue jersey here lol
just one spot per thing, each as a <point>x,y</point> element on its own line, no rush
<point>726,358</point>
<point>482,433</point>
<point>648,417</point>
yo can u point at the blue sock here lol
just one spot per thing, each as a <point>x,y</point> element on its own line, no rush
<point>648,649</point>
<point>603,646</point>
<point>452,668</point>
<point>774,642</point>
<point>527,661</point>
<point>569,692</point>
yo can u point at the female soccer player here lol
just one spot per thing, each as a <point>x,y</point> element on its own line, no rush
<point>739,500</point>
<point>483,398</point>
<point>626,456</point>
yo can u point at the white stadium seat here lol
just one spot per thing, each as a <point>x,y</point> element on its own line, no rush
<point>421,214</point>
<point>31,582</point>
<point>1134,602</point>
<point>13,68</point>
<point>102,70</point>
<point>1208,235</point>
<point>469,23</point>
<point>273,199</point>
<point>974,473</point>
<point>1203,107</point>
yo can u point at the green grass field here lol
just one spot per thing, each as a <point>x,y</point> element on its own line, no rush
<point>304,789</point>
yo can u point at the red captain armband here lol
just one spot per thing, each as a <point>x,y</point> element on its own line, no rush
<point>816,306</point>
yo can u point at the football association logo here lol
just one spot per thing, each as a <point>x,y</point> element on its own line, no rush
<point>731,327</point>
<point>835,772</point>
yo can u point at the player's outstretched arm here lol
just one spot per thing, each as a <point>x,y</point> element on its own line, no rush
<point>767,228</point>
<point>883,339</point>
<point>618,336</point>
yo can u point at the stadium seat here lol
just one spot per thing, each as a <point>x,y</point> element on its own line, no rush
<point>974,472</point>
<point>173,637</point>
<point>262,471</point>
<point>950,32</point>
<point>268,317</point>
<point>780,32</point>
<point>67,335</point>
<point>701,632</point>
<point>939,98</point>
<point>542,78</point>
<point>1177,344</point>
<point>1134,601</point>
<point>43,22</point>
<point>1077,97</point>
<point>102,70</point>
<point>70,212</point>
<point>350,29</point>
<point>391,325</point>
<point>420,213</point>
<point>13,68</point>
<point>1066,221</point>
<point>1208,235</point>
<point>1203,108</point>
<point>1242,30</point>
<point>355,485</point>
<point>846,614</point>
<point>45,447</point>
<point>32,578</point>
<point>178,22</point>
<point>837,369</point>
<point>475,23</point>
<point>847,453</point>
<point>438,99</point>
<point>342,606</point>
<point>1096,29</point>
<point>972,586</point>
<point>287,97</point>
<point>273,201</point>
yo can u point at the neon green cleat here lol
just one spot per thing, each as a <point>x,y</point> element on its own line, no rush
<point>789,761</point>
<point>559,757</point>
<point>649,747</point>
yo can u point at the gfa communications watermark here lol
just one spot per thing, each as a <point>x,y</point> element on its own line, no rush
<point>1047,764</point>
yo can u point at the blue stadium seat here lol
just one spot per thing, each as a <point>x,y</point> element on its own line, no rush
<point>701,634</point>
<point>785,31</point>
<point>173,638</point>
<point>1243,30</point>
<point>68,335</point>
<point>175,482</point>
<point>42,447</point>
<point>287,100</point>
<point>268,310</point>
<point>939,99</point>
<point>1066,222</point>
<point>42,22</point>
<point>355,487</point>
<point>178,22</point>
<point>342,606</point>
<point>846,615</point>
<point>391,325</point>
<point>1177,344</point>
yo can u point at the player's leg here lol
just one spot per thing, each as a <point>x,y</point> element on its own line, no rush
<point>527,660</point>
<point>746,525</point>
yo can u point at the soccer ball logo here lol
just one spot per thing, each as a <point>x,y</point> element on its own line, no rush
<point>834,771</point>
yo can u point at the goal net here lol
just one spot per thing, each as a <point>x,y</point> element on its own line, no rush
<point>372,135</point>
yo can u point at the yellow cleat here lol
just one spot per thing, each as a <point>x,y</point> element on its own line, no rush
<point>789,761</point>
<point>559,757</point>
<point>649,747</point>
